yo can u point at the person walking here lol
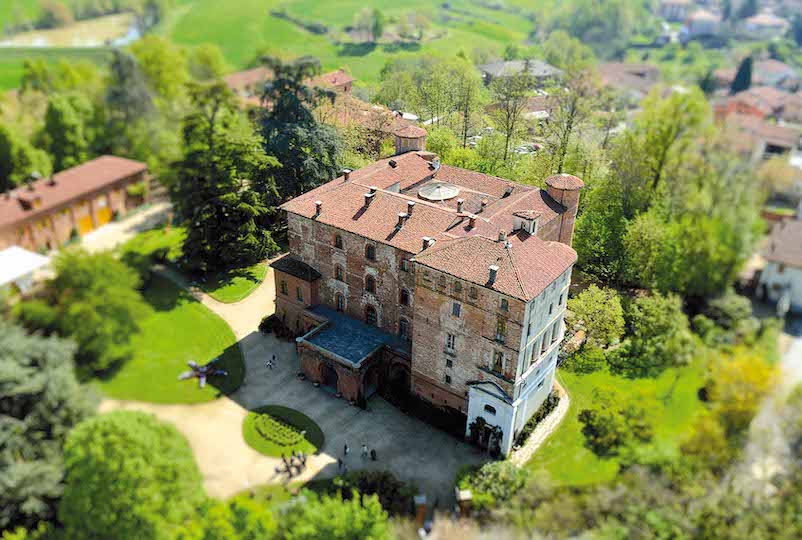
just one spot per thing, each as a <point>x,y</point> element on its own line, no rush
<point>339,464</point>
<point>346,449</point>
<point>364,450</point>
<point>373,454</point>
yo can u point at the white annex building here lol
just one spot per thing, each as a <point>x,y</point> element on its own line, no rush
<point>18,267</point>
<point>781,280</point>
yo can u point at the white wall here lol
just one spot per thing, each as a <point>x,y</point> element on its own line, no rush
<point>776,282</point>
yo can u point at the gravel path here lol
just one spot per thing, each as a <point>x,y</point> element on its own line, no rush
<point>543,430</point>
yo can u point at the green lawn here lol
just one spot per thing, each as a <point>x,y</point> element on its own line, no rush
<point>178,330</point>
<point>564,455</point>
<point>12,59</point>
<point>274,431</point>
<point>235,285</point>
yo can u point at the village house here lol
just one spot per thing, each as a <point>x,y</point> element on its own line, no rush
<point>764,102</point>
<point>426,278</point>
<point>700,24</point>
<point>764,26</point>
<point>249,84</point>
<point>674,10</point>
<point>781,279</point>
<point>634,81</point>
<point>49,212</point>
<point>767,72</point>
<point>761,139</point>
<point>542,72</point>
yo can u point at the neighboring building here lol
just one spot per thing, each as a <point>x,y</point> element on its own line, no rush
<point>764,26</point>
<point>633,80</point>
<point>447,283</point>
<point>763,102</point>
<point>767,72</point>
<point>348,110</point>
<point>541,71</point>
<point>700,24</point>
<point>763,139</point>
<point>51,211</point>
<point>17,269</point>
<point>781,279</point>
<point>249,84</point>
<point>674,10</point>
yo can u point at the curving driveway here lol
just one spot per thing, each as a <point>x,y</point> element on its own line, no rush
<point>411,449</point>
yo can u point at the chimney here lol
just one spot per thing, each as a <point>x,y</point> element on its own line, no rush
<point>346,174</point>
<point>393,164</point>
<point>484,205</point>
<point>368,198</point>
<point>427,242</point>
<point>372,189</point>
<point>402,217</point>
<point>472,222</point>
<point>460,202</point>
<point>507,192</point>
<point>502,236</point>
<point>410,207</point>
<point>318,207</point>
<point>493,274</point>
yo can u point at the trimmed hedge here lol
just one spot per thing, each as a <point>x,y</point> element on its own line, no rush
<point>274,430</point>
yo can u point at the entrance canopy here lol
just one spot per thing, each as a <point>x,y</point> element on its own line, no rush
<point>17,266</point>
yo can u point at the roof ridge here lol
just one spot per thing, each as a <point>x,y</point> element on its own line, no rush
<point>518,275</point>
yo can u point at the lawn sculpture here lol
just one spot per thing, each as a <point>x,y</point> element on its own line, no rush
<point>202,372</point>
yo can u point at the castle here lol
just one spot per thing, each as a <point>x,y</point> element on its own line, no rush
<point>448,283</point>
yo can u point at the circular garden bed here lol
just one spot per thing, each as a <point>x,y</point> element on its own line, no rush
<point>274,430</point>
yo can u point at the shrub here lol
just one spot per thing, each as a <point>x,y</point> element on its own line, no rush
<point>37,315</point>
<point>395,496</point>
<point>334,518</point>
<point>587,359</point>
<point>493,484</point>
<point>551,402</point>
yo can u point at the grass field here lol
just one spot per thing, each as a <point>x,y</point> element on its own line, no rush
<point>564,455</point>
<point>265,429</point>
<point>179,329</point>
<point>12,58</point>
<point>235,285</point>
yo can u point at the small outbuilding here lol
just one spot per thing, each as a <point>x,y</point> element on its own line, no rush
<point>18,267</point>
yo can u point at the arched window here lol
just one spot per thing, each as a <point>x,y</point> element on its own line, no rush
<point>340,302</point>
<point>370,252</point>
<point>370,316</point>
<point>403,329</point>
<point>457,287</point>
<point>370,284</point>
<point>339,275</point>
<point>284,287</point>
<point>338,241</point>
<point>404,297</point>
<point>490,409</point>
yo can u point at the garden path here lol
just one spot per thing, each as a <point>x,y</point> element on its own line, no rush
<point>543,430</point>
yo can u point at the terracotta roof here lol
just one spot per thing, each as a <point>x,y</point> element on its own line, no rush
<point>526,264</point>
<point>349,110</point>
<point>69,184</point>
<point>527,214</point>
<point>565,181</point>
<point>294,267</point>
<point>247,79</point>
<point>631,77</point>
<point>334,78</point>
<point>761,130</point>
<point>766,20</point>
<point>785,243</point>
<point>411,132</point>
<point>537,68</point>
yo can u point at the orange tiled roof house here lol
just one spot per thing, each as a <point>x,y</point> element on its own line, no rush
<point>49,212</point>
<point>443,282</point>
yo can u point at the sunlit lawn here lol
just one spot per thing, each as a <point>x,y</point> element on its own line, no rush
<point>178,330</point>
<point>564,455</point>
<point>235,285</point>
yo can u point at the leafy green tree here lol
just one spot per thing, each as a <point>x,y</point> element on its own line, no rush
<point>573,108</point>
<point>706,446</point>
<point>66,135</point>
<point>743,77</point>
<point>494,484</point>
<point>41,401</point>
<point>127,96</point>
<point>335,519</point>
<point>599,313</point>
<point>613,423</point>
<point>659,338</point>
<point>441,141</point>
<point>223,186</point>
<point>62,77</point>
<point>163,64</point>
<point>242,518</point>
<point>470,98</point>
<point>510,95</point>
<point>130,475</point>
<point>19,159</point>
<point>748,8</point>
<point>206,62</point>
<point>377,25</point>
<point>567,53</point>
<point>307,150</point>
<point>95,301</point>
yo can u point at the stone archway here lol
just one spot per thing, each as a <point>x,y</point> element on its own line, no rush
<point>329,377</point>
<point>370,381</point>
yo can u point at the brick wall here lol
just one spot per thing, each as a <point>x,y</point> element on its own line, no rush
<point>289,308</point>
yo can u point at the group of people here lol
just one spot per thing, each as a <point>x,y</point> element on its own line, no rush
<point>343,467</point>
<point>293,466</point>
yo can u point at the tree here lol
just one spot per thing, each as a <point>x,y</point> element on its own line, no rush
<point>573,107</point>
<point>469,97</point>
<point>19,159</point>
<point>307,151</point>
<point>242,518</point>
<point>441,141</point>
<point>129,473</point>
<point>163,64</point>
<point>510,95</point>
<point>377,25</point>
<point>127,96</point>
<point>796,29</point>
<point>599,312</point>
<point>206,62</point>
<point>749,8</point>
<point>335,519</point>
<point>41,402</point>
<point>614,423</point>
<point>743,77</point>
<point>95,301</point>
<point>707,447</point>
<point>223,186</point>
<point>660,336</point>
<point>65,134</point>
<point>567,53</point>
<point>494,484</point>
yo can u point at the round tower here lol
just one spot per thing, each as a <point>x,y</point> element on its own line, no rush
<point>565,188</point>
<point>410,139</point>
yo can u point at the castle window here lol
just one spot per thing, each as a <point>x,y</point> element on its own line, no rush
<point>555,331</point>
<point>405,265</point>
<point>501,329</point>
<point>448,379</point>
<point>441,281</point>
<point>457,287</point>
<point>404,297</point>
<point>544,344</point>
<point>370,316</point>
<point>340,302</point>
<point>780,268</point>
<point>551,308</point>
<point>456,309</point>
<point>451,342</point>
<point>403,329</point>
<point>370,252</point>
<point>489,409</point>
<point>505,305</point>
<point>449,362</point>
<point>370,284</point>
<point>473,293</point>
<point>338,241</point>
<point>299,293</point>
<point>284,289</point>
<point>339,275</point>
<point>498,361</point>
<point>561,300</point>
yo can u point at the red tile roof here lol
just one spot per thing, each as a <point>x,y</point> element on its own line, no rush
<point>526,264</point>
<point>785,243</point>
<point>411,132</point>
<point>334,78</point>
<point>565,181</point>
<point>69,184</point>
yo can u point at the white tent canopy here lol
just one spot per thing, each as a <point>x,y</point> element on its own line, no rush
<point>17,266</point>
